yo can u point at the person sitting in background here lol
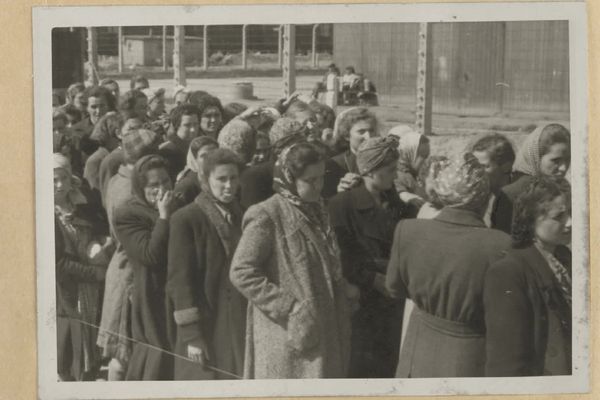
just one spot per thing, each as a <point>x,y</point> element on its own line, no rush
<point>138,82</point>
<point>527,295</point>
<point>350,86</point>
<point>496,154</point>
<point>82,251</point>
<point>414,149</point>
<point>75,97</point>
<point>352,127</point>
<point>113,87</point>
<point>185,121</point>
<point>545,152</point>
<point>116,307</point>
<point>99,102</point>
<point>440,264</point>
<point>210,314</point>
<point>142,228</point>
<point>367,93</point>
<point>364,219</point>
<point>187,186</point>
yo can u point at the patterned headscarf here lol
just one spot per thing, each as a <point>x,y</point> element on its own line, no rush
<point>239,137</point>
<point>528,157</point>
<point>285,132</point>
<point>460,182</point>
<point>408,147</point>
<point>376,152</point>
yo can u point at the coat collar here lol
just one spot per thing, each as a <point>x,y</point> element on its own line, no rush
<point>458,216</point>
<point>361,198</point>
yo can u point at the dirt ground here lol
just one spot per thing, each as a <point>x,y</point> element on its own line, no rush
<point>450,133</point>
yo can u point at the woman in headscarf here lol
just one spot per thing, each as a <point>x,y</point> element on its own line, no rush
<point>440,264</point>
<point>527,295</point>
<point>82,254</point>
<point>364,219</point>
<point>287,266</point>
<point>545,152</point>
<point>352,127</point>
<point>188,185</point>
<point>414,150</point>
<point>240,137</point>
<point>210,314</point>
<point>142,227</point>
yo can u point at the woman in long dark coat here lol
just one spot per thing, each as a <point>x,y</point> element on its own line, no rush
<point>210,314</point>
<point>527,294</point>
<point>142,228</point>
<point>440,264</point>
<point>364,219</point>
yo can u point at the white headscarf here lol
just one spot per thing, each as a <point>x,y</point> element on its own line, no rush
<point>408,146</point>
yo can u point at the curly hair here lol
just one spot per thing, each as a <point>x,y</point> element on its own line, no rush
<point>350,118</point>
<point>128,103</point>
<point>100,91</point>
<point>178,112</point>
<point>533,203</point>
<point>497,146</point>
<point>220,157</point>
<point>301,156</point>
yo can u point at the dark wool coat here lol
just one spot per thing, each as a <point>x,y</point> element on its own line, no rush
<point>188,187</point>
<point>502,212</point>
<point>365,233</point>
<point>256,183</point>
<point>528,321</point>
<point>175,152</point>
<point>83,130</point>
<point>280,260</point>
<point>335,169</point>
<point>205,303</point>
<point>145,238</point>
<point>440,264</point>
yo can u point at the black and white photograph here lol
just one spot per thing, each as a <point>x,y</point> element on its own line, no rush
<point>311,200</point>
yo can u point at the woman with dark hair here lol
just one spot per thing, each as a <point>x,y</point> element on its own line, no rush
<point>185,123</point>
<point>187,186</point>
<point>210,314</point>
<point>352,127</point>
<point>211,116</point>
<point>139,82</point>
<point>112,86</point>
<point>440,264</point>
<point>82,254</point>
<point>545,152</point>
<point>364,219</point>
<point>527,296</point>
<point>142,228</point>
<point>99,101</point>
<point>287,266</point>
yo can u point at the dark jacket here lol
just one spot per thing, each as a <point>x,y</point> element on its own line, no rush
<point>145,238</point>
<point>528,321</point>
<point>335,169</point>
<point>83,130</point>
<point>503,208</point>
<point>175,152</point>
<point>188,187</point>
<point>440,264</point>
<point>205,303</point>
<point>365,232</point>
<point>256,183</point>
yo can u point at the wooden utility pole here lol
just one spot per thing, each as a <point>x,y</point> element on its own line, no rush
<point>289,62</point>
<point>120,36</point>
<point>314,45</point>
<point>179,55</point>
<point>424,79</point>
<point>164,48</point>
<point>92,50</point>
<point>205,47</point>
<point>244,46</point>
<point>279,46</point>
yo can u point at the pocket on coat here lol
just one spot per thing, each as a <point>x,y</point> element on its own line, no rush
<point>302,329</point>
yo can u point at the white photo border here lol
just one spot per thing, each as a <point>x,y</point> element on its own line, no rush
<point>46,18</point>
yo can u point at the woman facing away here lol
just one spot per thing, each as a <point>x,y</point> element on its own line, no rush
<point>210,314</point>
<point>82,254</point>
<point>287,266</point>
<point>440,264</point>
<point>364,219</point>
<point>527,295</point>
<point>142,227</point>
<point>545,152</point>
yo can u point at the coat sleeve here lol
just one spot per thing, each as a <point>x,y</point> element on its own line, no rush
<point>182,287</point>
<point>508,320</point>
<point>393,278</point>
<point>249,261</point>
<point>143,242</point>
<point>69,266</point>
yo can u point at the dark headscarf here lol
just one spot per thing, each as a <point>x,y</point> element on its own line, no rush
<point>376,152</point>
<point>138,175</point>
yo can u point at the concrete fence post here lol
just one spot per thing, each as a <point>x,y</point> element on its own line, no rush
<point>244,46</point>
<point>424,79</point>
<point>120,47</point>
<point>164,48</point>
<point>279,46</point>
<point>314,45</point>
<point>92,50</point>
<point>179,55</point>
<point>205,47</point>
<point>289,62</point>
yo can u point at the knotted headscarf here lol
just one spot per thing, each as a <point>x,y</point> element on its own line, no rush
<point>376,152</point>
<point>460,182</point>
<point>74,196</point>
<point>191,163</point>
<point>408,147</point>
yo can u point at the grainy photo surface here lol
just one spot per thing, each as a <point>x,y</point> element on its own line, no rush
<point>381,200</point>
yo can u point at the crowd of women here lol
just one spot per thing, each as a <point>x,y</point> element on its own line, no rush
<point>220,242</point>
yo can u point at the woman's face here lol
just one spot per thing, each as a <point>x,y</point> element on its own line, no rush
<point>556,162</point>
<point>360,131</point>
<point>310,183</point>
<point>157,183</point>
<point>383,178</point>
<point>188,128</point>
<point>224,182</point>
<point>423,153</point>
<point>210,123</point>
<point>499,175</point>
<point>553,227</point>
<point>79,101</point>
<point>201,155</point>
<point>62,184</point>
<point>97,107</point>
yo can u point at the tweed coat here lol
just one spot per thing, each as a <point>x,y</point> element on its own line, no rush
<point>528,321</point>
<point>281,261</point>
